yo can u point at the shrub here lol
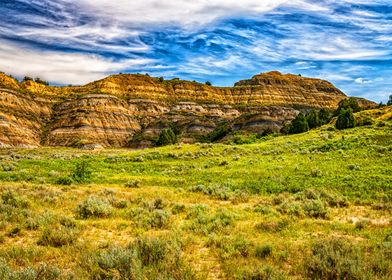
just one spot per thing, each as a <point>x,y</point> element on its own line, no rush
<point>117,263</point>
<point>150,218</point>
<point>7,167</point>
<point>239,196</point>
<point>159,219</point>
<point>40,81</point>
<point>145,258</point>
<point>64,181</point>
<point>299,124</point>
<point>364,121</point>
<point>346,104</point>
<point>259,273</point>
<point>15,231</point>
<point>313,119</point>
<point>178,208</point>
<point>263,251</point>
<point>151,251</point>
<point>44,271</point>
<point>133,184</point>
<point>205,223</point>
<point>232,247</point>
<point>167,137</point>
<point>208,83</point>
<point>217,134</point>
<point>58,236</point>
<point>334,259</point>
<point>94,207</point>
<point>11,198</point>
<point>315,209</point>
<point>215,191</point>
<point>324,116</point>
<point>345,119</point>
<point>120,204</point>
<point>82,172</point>
<point>27,78</point>
<point>241,138</point>
<point>361,224</point>
<point>389,103</point>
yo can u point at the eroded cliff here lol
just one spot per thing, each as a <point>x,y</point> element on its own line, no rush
<point>131,110</point>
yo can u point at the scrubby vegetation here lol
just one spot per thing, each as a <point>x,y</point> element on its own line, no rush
<point>315,205</point>
<point>167,137</point>
<point>344,115</point>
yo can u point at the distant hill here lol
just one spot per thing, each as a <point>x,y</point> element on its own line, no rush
<point>123,110</point>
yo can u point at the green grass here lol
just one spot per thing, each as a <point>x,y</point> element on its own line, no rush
<point>208,211</point>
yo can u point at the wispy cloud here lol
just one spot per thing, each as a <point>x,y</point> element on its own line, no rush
<point>72,68</point>
<point>67,41</point>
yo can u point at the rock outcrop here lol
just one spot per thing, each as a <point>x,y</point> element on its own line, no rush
<point>132,110</point>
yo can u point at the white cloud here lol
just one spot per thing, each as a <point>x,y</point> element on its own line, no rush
<point>363,81</point>
<point>303,65</point>
<point>64,68</point>
<point>183,12</point>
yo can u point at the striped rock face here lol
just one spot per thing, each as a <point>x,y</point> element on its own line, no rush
<point>132,110</point>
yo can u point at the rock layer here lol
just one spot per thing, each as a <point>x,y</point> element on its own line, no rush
<point>132,110</point>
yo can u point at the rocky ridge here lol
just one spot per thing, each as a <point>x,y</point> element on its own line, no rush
<point>131,110</point>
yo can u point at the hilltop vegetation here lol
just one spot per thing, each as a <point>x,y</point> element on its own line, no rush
<point>315,205</point>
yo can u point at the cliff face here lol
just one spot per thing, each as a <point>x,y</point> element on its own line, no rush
<point>22,119</point>
<point>266,89</point>
<point>132,110</point>
<point>91,119</point>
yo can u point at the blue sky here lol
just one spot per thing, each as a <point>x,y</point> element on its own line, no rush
<point>348,42</point>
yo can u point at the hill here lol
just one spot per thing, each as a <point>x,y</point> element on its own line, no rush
<point>131,110</point>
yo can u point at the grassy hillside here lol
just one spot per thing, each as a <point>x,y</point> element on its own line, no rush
<point>316,205</point>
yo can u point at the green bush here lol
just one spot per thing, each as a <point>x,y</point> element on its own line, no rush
<point>345,119</point>
<point>263,251</point>
<point>58,236</point>
<point>231,247</point>
<point>117,263</point>
<point>259,273</point>
<point>335,259</point>
<point>346,104</point>
<point>167,137</point>
<point>205,223</point>
<point>313,119</point>
<point>151,251</point>
<point>217,134</point>
<point>299,124</point>
<point>389,103</point>
<point>40,81</point>
<point>94,207</point>
<point>150,218</point>
<point>215,191</point>
<point>11,198</point>
<point>315,209</point>
<point>134,184</point>
<point>7,167</point>
<point>64,181</point>
<point>82,172</point>
<point>44,272</point>
<point>178,208</point>
<point>324,116</point>
<point>242,139</point>
<point>145,258</point>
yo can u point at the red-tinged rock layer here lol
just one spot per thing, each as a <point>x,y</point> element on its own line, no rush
<point>132,110</point>
<point>92,119</point>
